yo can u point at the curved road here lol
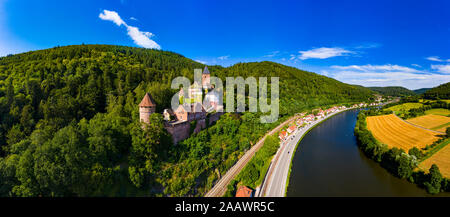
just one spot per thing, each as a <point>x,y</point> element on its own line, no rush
<point>220,187</point>
<point>274,184</point>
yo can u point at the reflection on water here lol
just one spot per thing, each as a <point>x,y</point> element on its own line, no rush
<point>328,162</point>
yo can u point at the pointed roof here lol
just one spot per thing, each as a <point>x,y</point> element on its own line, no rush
<point>244,191</point>
<point>205,70</point>
<point>147,101</point>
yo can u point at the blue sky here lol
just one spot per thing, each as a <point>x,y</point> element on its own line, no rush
<point>371,43</point>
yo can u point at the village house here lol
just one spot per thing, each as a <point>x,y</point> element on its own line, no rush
<point>282,135</point>
<point>291,129</point>
<point>244,191</point>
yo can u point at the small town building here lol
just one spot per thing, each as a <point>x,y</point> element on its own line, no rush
<point>291,129</point>
<point>283,135</point>
<point>244,191</point>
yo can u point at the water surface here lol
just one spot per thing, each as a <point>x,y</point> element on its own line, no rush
<point>328,162</point>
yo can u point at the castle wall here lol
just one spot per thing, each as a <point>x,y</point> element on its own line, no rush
<point>201,124</point>
<point>179,130</point>
<point>214,117</point>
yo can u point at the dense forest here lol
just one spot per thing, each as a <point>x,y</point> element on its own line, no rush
<point>440,92</point>
<point>393,91</point>
<point>421,90</point>
<point>69,123</point>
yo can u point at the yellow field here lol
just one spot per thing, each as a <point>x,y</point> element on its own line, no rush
<point>433,122</point>
<point>441,159</point>
<point>404,107</point>
<point>438,111</point>
<point>394,132</point>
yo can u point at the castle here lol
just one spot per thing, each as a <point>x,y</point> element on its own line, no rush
<point>178,122</point>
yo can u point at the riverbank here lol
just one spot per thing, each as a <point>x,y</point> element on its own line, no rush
<point>329,163</point>
<point>396,161</point>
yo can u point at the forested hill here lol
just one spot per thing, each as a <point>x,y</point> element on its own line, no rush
<point>70,126</point>
<point>421,90</point>
<point>440,92</point>
<point>393,91</point>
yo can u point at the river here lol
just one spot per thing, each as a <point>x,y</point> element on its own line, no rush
<point>328,162</point>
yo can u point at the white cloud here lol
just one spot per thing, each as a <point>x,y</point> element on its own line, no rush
<point>223,57</point>
<point>369,67</point>
<point>292,57</point>
<point>112,16</point>
<point>272,54</point>
<point>387,75</point>
<point>139,37</point>
<point>442,68</point>
<point>417,65</point>
<point>323,53</point>
<point>133,18</point>
<point>437,59</point>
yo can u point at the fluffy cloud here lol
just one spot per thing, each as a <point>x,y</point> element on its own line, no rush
<point>323,53</point>
<point>441,68</point>
<point>112,16</point>
<point>437,59</point>
<point>140,38</point>
<point>387,75</point>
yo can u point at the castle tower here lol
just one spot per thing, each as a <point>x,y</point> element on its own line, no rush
<point>146,108</point>
<point>206,81</point>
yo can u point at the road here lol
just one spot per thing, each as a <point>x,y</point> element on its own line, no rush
<point>220,187</point>
<point>274,184</point>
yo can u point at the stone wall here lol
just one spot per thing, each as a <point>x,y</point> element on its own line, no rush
<point>178,130</point>
<point>214,117</point>
<point>181,130</point>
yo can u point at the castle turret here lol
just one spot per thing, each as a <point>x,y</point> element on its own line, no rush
<point>146,108</point>
<point>206,79</point>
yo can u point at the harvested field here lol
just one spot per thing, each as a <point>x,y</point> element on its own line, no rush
<point>395,132</point>
<point>433,122</point>
<point>438,111</point>
<point>441,159</point>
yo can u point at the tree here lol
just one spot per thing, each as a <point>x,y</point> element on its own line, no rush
<point>149,143</point>
<point>416,152</point>
<point>433,186</point>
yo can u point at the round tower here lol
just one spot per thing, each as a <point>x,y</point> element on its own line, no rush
<point>146,108</point>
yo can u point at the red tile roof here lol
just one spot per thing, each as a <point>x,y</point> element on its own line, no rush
<point>244,191</point>
<point>147,101</point>
<point>292,127</point>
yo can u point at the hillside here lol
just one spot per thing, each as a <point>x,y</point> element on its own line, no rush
<point>440,92</point>
<point>70,125</point>
<point>393,91</point>
<point>421,90</point>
